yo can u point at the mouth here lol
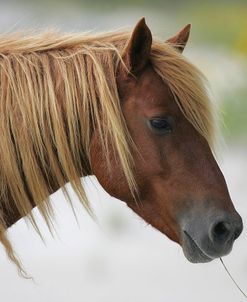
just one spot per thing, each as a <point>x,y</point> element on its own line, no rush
<point>192,251</point>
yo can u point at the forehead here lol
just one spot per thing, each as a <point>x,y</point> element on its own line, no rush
<point>152,95</point>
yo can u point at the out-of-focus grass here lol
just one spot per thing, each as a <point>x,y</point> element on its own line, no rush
<point>223,25</point>
<point>234,112</point>
<point>219,24</point>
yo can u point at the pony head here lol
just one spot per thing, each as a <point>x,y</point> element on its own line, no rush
<point>180,189</point>
<point>125,107</point>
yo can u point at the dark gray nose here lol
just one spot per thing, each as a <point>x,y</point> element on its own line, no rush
<point>223,231</point>
<point>210,237</point>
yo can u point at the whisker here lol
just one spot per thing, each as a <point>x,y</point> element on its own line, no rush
<point>233,280</point>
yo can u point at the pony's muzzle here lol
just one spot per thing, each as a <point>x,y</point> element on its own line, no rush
<point>207,238</point>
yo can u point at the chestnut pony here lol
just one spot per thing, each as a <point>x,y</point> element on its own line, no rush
<point>121,106</point>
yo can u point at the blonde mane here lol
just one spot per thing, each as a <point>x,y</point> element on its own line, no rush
<point>55,89</point>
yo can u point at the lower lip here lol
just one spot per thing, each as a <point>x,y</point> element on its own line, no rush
<point>199,254</point>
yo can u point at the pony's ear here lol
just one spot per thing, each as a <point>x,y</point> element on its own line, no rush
<point>137,52</point>
<point>180,40</point>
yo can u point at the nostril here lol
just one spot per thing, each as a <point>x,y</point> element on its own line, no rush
<point>221,231</point>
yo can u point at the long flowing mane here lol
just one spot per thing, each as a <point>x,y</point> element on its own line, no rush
<point>55,90</point>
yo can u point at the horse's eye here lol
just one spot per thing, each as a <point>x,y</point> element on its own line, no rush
<point>161,125</point>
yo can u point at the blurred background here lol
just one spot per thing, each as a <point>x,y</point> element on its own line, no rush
<point>120,258</point>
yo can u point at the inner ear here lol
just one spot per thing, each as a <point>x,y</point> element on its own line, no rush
<point>180,40</point>
<point>137,52</point>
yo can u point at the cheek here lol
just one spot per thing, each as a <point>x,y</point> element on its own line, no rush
<point>152,173</point>
<point>111,178</point>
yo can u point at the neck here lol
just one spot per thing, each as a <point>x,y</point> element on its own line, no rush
<point>8,209</point>
<point>43,147</point>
